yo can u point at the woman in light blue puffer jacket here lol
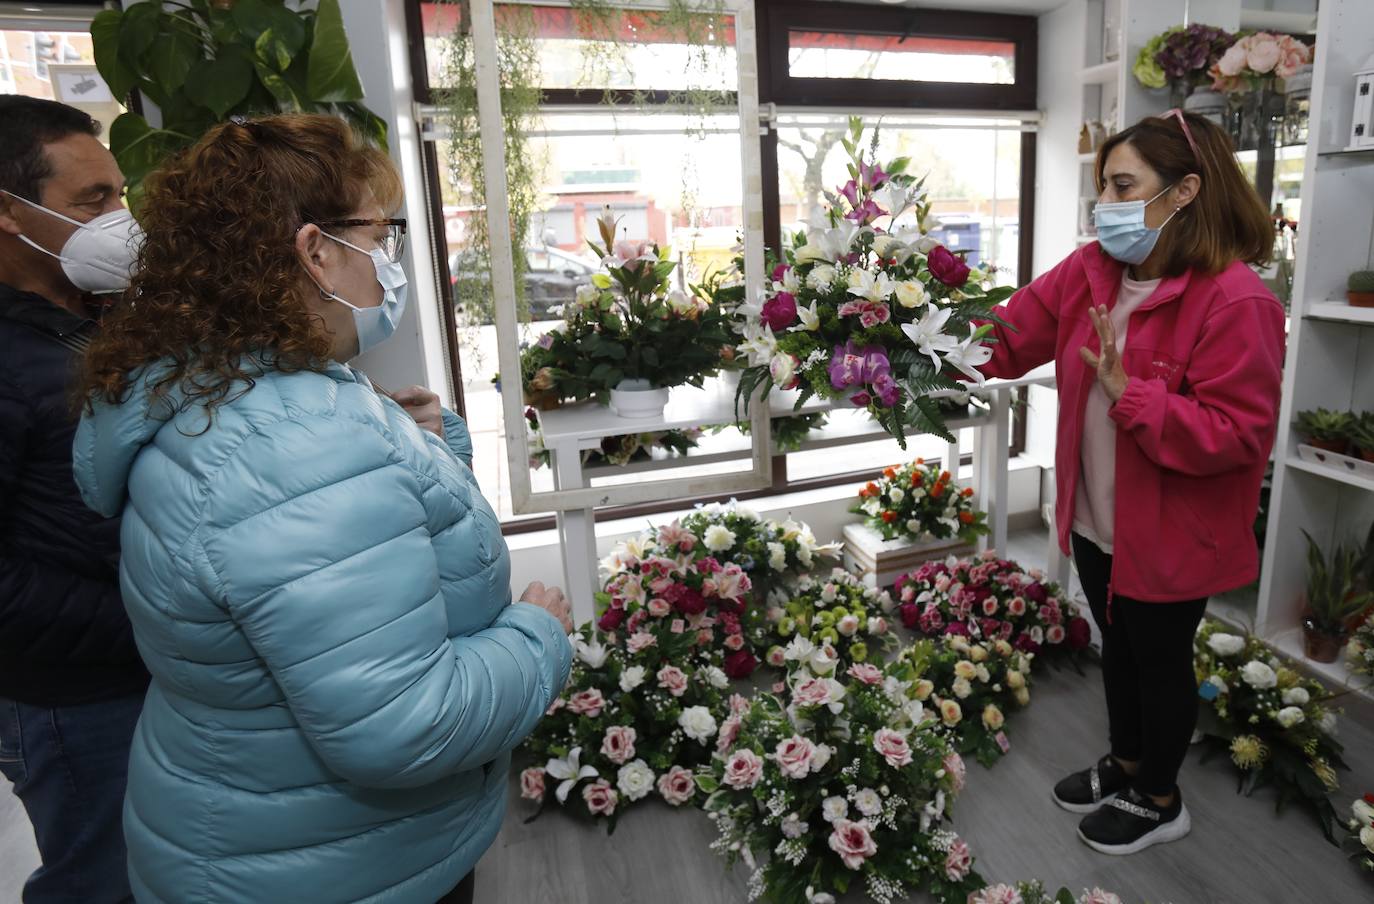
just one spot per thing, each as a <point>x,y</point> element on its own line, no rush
<point>315,582</point>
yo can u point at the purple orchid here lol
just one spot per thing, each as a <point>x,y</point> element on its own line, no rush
<point>872,176</point>
<point>866,212</point>
<point>851,192</point>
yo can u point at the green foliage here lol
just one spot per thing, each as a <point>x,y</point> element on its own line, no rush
<point>1332,592</point>
<point>1324,425</point>
<point>1362,432</point>
<point>201,64</point>
<point>1361,281</point>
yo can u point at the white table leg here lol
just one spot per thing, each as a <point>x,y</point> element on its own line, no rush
<point>576,538</point>
<point>998,460</point>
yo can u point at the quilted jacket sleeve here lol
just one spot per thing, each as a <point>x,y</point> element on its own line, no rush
<point>316,540</point>
<point>458,437</point>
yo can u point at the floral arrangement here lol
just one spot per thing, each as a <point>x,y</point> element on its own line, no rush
<point>986,598</point>
<point>841,783</point>
<point>1360,838</point>
<point>1256,57</point>
<point>634,720</point>
<point>1034,893</point>
<point>1275,724</point>
<point>867,307</point>
<point>921,503</point>
<point>628,324</point>
<point>1181,55</point>
<point>1359,652</point>
<point>837,610</point>
<point>971,687</point>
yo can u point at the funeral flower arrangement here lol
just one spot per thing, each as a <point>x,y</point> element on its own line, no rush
<point>921,503</point>
<point>842,781</point>
<point>868,307</point>
<point>1360,837</point>
<point>835,609</point>
<point>1275,724</point>
<point>1034,893</point>
<point>987,598</point>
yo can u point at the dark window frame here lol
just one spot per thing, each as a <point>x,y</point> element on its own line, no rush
<point>773,21</point>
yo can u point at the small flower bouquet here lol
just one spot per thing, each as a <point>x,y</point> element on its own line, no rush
<point>1034,893</point>
<point>1181,55</point>
<point>633,721</point>
<point>841,783</point>
<point>986,598</point>
<point>1359,840</point>
<point>867,307</point>
<point>970,688</point>
<point>920,503</point>
<point>1359,652</point>
<point>1275,724</point>
<point>1255,58</point>
<point>836,609</point>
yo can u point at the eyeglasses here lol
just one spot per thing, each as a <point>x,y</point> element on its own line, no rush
<point>392,245</point>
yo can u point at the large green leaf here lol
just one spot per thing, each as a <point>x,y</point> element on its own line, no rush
<point>272,51</point>
<point>137,33</point>
<point>253,17</point>
<point>220,83</point>
<point>139,148</point>
<point>275,82</point>
<point>177,50</point>
<point>332,78</point>
<point>105,29</point>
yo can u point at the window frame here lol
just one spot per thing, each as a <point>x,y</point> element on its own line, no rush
<point>773,20</point>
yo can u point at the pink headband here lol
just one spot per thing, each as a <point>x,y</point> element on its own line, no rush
<point>1187,132</point>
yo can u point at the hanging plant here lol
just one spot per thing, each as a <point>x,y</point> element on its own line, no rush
<point>204,62</point>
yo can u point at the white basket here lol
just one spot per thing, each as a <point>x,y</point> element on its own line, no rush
<point>1336,462</point>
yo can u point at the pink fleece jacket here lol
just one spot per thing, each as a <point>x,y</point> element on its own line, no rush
<point>1204,355</point>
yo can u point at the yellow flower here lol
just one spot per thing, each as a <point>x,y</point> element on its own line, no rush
<point>1015,679</point>
<point>1248,752</point>
<point>1287,678</point>
<point>978,653</point>
<point>1322,769</point>
<point>965,669</point>
<point>1003,648</point>
<point>958,644</point>
<point>1022,696</point>
<point>911,294</point>
<point>923,689</point>
<point>992,717</point>
<point>950,712</point>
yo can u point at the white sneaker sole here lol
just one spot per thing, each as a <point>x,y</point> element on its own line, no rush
<point>1082,808</point>
<point>1173,830</point>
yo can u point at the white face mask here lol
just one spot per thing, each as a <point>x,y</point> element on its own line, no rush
<point>375,325</point>
<point>99,256</point>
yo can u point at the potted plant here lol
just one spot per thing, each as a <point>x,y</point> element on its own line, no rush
<point>1360,288</point>
<point>1326,430</point>
<point>1333,597</point>
<point>1362,435</point>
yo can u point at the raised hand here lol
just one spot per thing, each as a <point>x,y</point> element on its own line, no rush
<point>1107,364</point>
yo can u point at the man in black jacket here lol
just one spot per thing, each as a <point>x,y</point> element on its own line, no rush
<point>71,682</point>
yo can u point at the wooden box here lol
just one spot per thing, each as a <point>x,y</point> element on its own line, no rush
<point>879,562</point>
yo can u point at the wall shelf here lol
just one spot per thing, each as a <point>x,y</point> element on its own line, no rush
<point>1349,152</point>
<point>1340,312</point>
<point>1340,475</point>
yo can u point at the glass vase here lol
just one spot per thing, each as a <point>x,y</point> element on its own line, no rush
<point>1179,90</point>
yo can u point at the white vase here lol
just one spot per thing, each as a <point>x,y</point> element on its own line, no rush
<point>638,399</point>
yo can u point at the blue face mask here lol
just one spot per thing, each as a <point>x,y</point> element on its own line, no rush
<point>1122,232</point>
<point>377,324</point>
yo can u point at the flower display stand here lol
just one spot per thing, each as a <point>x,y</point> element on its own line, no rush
<point>880,561</point>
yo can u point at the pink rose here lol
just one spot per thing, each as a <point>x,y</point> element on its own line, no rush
<point>729,733</point>
<point>640,640</point>
<point>1054,634</point>
<point>705,636</point>
<point>734,642</point>
<point>601,798</point>
<point>739,704</point>
<point>954,767</point>
<point>794,756</point>
<point>1295,55</point>
<point>619,744</point>
<point>658,607</point>
<point>893,747</point>
<point>942,584</point>
<point>673,680</point>
<point>996,894</point>
<point>587,703</point>
<point>1098,896</point>
<point>852,841</point>
<point>676,786</point>
<point>777,657</point>
<point>1264,53</point>
<point>990,606</point>
<point>779,687</point>
<point>811,692</point>
<point>1016,607</point>
<point>958,862</point>
<point>743,769</point>
<point>532,784</point>
<point>1232,61</point>
<point>866,672</point>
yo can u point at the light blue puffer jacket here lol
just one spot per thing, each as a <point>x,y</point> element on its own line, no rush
<point>322,596</point>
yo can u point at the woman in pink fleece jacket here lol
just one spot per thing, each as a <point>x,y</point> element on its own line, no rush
<point>1169,354</point>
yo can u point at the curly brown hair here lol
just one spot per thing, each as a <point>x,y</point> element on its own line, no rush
<point>217,280</point>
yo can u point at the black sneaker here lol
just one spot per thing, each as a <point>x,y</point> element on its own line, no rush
<point>1132,822</point>
<point>1088,789</point>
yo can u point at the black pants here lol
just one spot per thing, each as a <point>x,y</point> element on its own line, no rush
<point>1147,668</point>
<point>462,892</point>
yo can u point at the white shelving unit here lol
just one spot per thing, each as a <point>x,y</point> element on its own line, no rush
<point>1330,360</point>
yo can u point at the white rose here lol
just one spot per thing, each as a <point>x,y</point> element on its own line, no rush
<point>821,756</point>
<point>587,295</point>
<point>1226,644</point>
<point>719,538</point>
<point>1363,810</point>
<point>697,723</point>
<point>868,802</point>
<point>1258,675</point>
<point>1290,716</point>
<point>631,678</point>
<point>834,808</point>
<point>1367,838</point>
<point>872,507</point>
<point>777,556</point>
<point>821,277</point>
<point>983,674</point>
<point>1327,723</point>
<point>961,688</point>
<point>913,526</point>
<point>896,494</point>
<point>635,780</point>
<point>782,368</point>
<point>1296,696</point>
<point>716,678</point>
<point>911,294</point>
<point>848,626</point>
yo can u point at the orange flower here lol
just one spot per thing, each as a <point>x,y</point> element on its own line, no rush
<point>889,472</point>
<point>916,479</point>
<point>968,491</point>
<point>966,517</point>
<point>938,490</point>
<point>945,477</point>
<point>920,461</point>
<point>889,517</point>
<point>872,488</point>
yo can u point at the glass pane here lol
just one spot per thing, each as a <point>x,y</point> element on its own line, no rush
<point>572,50</point>
<point>57,64</point>
<point>820,54</point>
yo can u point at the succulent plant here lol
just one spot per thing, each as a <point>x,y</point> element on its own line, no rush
<point>1361,281</point>
<point>1324,425</point>
<point>1362,432</point>
<point>1333,591</point>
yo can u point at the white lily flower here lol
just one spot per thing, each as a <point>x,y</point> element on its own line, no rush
<point>876,288</point>
<point>760,345</point>
<point>593,654</point>
<point>807,319</point>
<point>569,771</point>
<point>928,334</point>
<point>892,198</point>
<point>968,356</point>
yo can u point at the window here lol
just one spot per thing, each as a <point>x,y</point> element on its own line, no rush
<point>50,55</point>
<point>674,178</point>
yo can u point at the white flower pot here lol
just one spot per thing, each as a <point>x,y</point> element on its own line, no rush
<point>638,399</point>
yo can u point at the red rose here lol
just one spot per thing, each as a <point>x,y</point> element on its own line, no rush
<point>611,619</point>
<point>911,615</point>
<point>947,267</point>
<point>740,664</point>
<point>1080,633</point>
<point>780,312</point>
<point>889,516</point>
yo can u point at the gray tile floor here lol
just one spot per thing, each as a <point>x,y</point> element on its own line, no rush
<point>1240,851</point>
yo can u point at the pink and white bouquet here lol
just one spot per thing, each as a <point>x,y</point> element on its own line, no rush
<point>1359,841</point>
<point>1034,893</point>
<point>868,307</point>
<point>987,598</point>
<point>835,609</point>
<point>841,782</point>
<point>1256,57</point>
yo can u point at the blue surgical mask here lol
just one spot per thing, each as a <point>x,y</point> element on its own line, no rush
<point>1122,232</point>
<point>377,324</point>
